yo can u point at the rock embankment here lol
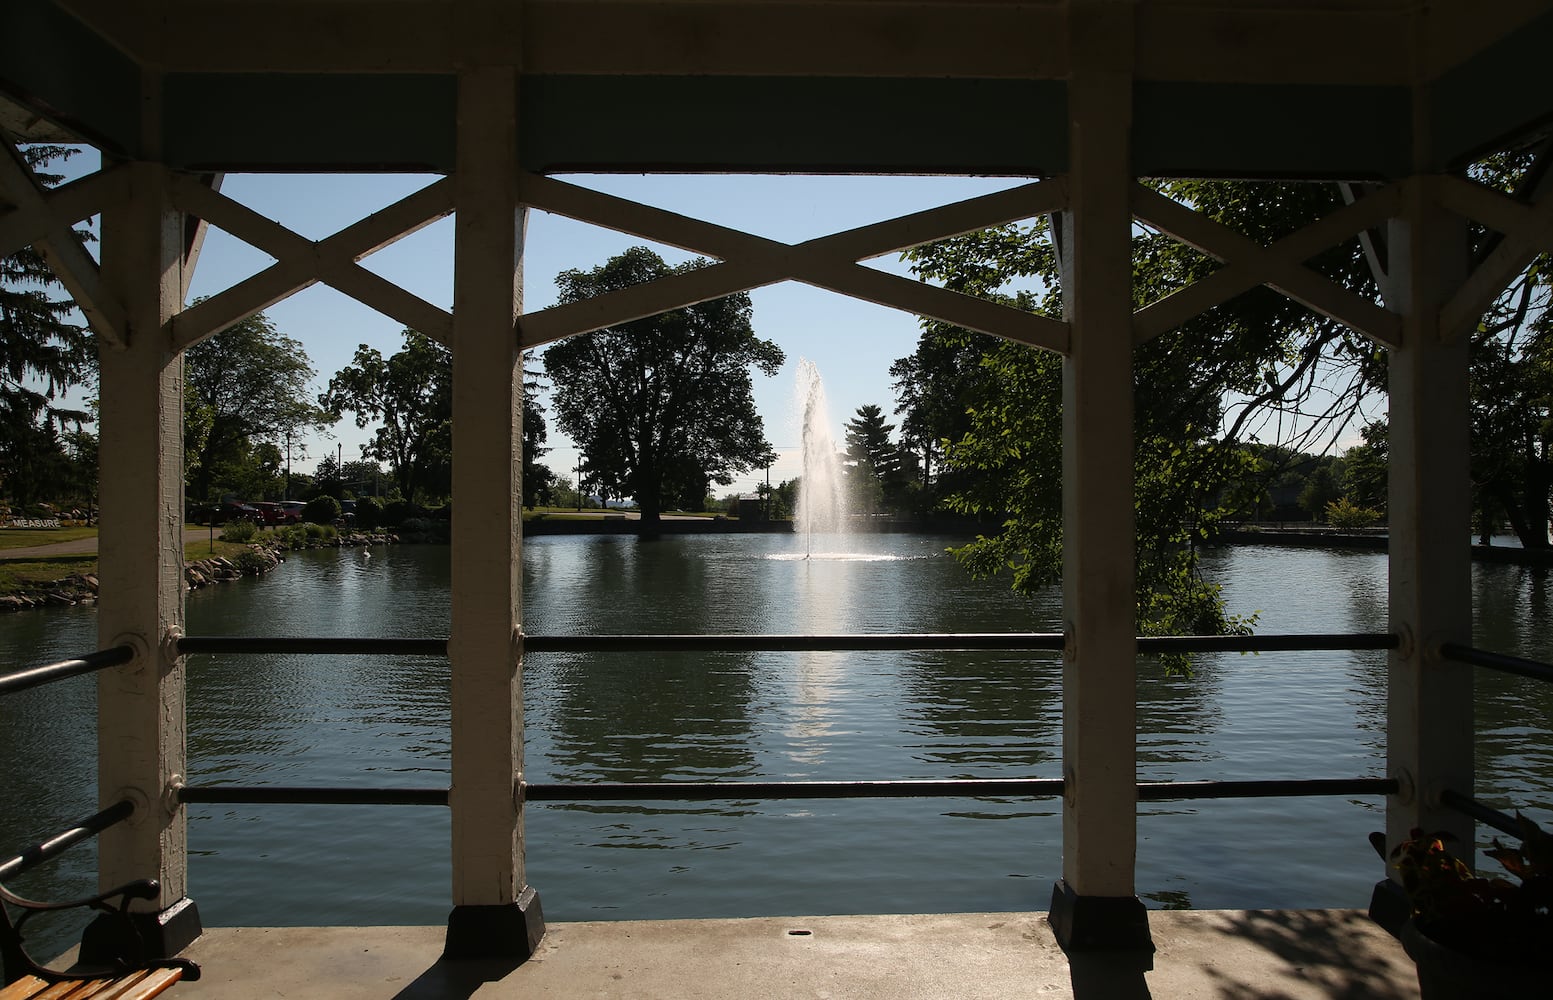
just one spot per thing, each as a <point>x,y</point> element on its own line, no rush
<point>255,560</point>
<point>78,588</point>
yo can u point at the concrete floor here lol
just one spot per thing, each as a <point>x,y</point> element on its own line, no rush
<point>1287,955</point>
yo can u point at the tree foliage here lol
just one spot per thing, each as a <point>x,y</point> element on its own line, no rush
<point>1512,384</point>
<point>411,394</point>
<point>245,391</point>
<point>1242,366</point>
<point>43,355</point>
<point>876,467</point>
<point>662,406</point>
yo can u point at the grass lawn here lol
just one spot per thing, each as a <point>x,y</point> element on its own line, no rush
<point>32,575</point>
<point>20,538</point>
<point>35,574</point>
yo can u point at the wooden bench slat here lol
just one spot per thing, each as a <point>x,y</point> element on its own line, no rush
<point>140,985</point>
<point>33,988</point>
<point>24,988</point>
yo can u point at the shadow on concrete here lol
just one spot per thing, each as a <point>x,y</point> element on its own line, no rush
<point>1110,975</point>
<point>1325,952</point>
<point>457,980</point>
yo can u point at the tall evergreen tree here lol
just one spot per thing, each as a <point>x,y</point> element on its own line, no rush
<point>875,461</point>
<point>42,356</point>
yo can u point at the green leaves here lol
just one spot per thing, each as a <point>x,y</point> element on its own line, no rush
<point>662,406</point>
<point>411,393</point>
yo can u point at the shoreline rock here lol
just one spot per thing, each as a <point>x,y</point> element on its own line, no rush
<point>259,559</point>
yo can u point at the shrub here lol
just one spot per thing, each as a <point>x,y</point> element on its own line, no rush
<point>1345,514</point>
<point>323,509</point>
<point>396,512</point>
<point>239,531</point>
<point>320,532</point>
<point>249,562</point>
<point>369,513</point>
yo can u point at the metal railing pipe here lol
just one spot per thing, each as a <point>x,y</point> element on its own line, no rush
<point>330,646</point>
<point>1497,661</point>
<point>740,643</point>
<point>1467,805</point>
<point>1158,791</point>
<point>735,643</point>
<point>56,845</point>
<point>310,795</point>
<point>34,676</point>
<point>1266,643</point>
<point>702,791</point>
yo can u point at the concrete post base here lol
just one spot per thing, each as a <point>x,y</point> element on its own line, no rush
<point>512,930</point>
<point>1390,906</point>
<point>1101,923</point>
<point>163,934</point>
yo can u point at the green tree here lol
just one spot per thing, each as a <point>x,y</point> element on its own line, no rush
<point>1321,489</point>
<point>662,406</point>
<point>1512,380</point>
<point>1275,356</point>
<point>43,355</point>
<point>1365,467</point>
<point>245,391</point>
<point>539,481</point>
<point>876,465</point>
<point>410,393</point>
<point>932,386</point>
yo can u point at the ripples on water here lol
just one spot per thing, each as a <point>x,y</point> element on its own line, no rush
<point>770,716</point>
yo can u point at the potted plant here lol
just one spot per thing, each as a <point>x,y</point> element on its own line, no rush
<point>1476,936</point>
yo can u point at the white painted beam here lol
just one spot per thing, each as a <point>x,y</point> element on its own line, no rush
<point>830,262</point>
<point>1280,267</point>
<point>67,258</point>
<point>69,203</point>
<point>140,551</point>
<point>1528,231</point>
<point>1095,905</point>
<point>301,262</point>
<point>1429,732</point>
<point>487,439</point>
<point>195,230</point>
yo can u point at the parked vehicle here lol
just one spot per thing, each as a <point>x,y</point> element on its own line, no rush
<point>274,513</point>
<point>226,511</point>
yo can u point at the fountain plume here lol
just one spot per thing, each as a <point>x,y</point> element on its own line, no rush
<point>821,507</point>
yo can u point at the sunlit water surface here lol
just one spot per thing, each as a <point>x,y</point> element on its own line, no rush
<point>768,716</point>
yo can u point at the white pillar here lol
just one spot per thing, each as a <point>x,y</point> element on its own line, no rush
<point>1095,906</point>
<point>1429,735</point>
<point>495,913</point>
<point>140,562</point>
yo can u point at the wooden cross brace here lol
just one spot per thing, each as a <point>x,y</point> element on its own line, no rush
<point>1527,229</point>
<point>45,220</point>
<point>1280,266</point>
<point>301,262</point>
<point>831,262</point>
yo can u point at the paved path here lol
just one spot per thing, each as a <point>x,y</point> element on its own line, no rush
<point>86,546</point>
<point>1207,954</point>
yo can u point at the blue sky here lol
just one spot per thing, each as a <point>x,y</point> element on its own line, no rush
<point>852,343</point>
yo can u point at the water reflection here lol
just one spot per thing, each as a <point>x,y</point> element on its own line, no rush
<point>808,716</point>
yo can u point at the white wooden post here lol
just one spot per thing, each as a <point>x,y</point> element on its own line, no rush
<point>140,706</point>
<point>1429,734</point>
<point>495,913</point>
<point>1094,906</point>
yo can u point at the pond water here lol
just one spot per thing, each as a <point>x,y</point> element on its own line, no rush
<point>745,716</point>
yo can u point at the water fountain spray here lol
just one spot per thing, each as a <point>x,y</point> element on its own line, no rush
<point>821,502</point>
